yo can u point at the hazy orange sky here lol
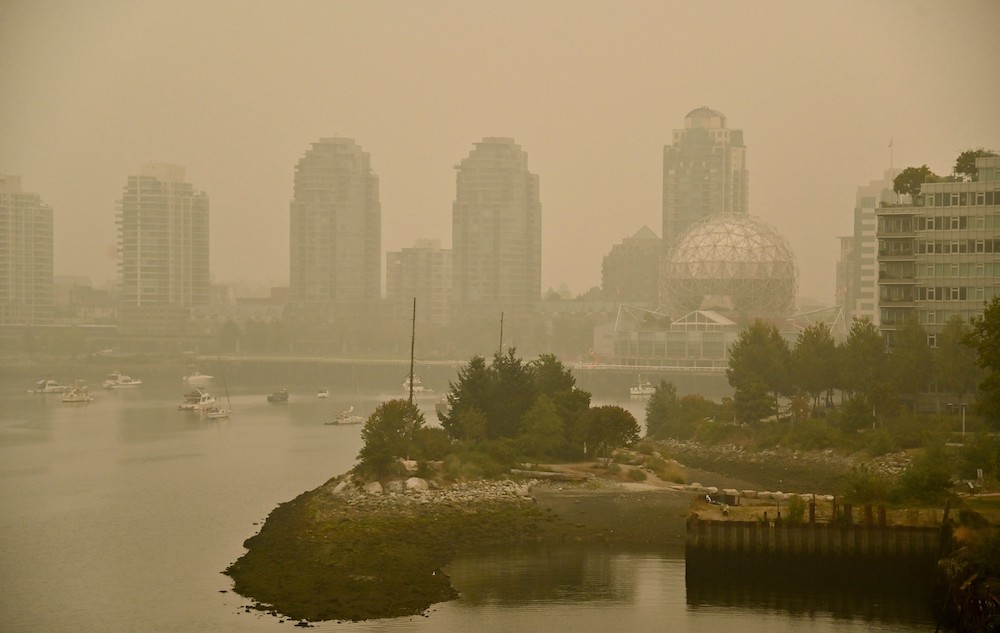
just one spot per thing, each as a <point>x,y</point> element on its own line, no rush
<point>237,90</point>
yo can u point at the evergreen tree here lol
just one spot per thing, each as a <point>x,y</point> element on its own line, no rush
<point>663,412</point>
<point>911,361</point>
<point>814,361</point>
<point>760,357</point>
<point>542,430</point>
<point>864,364</point>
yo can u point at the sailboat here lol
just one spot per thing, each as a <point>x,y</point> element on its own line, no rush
<point>216,412</point>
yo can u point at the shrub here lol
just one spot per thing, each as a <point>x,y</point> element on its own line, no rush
<point>637,474</point>
<point>796,509</point>
<point>927,479</point>
<point>864,486</point>
<point>880,442</point>
<point>667,471</point>
<point>614,468</point>
<point>811,435</point>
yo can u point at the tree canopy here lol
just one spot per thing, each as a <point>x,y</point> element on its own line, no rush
<point>388,436</point>
<point>965,164</point>
<point>663,412</point>
<point>759,358</point>
<point>814,361</point>
<point>493,402</point>
<point>908,181</point>
<point>608,428</point>
<point>911,361</point>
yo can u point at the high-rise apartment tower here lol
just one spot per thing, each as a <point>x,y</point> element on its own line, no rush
<point>25,255</point>
<point>336,228</point>
<point>496,232</point>
<point>162,240</point>
<point>704,173</point>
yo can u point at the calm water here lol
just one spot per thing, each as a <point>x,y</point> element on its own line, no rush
<point>119,515</point>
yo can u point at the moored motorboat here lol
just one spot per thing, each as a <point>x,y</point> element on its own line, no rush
<point>196,400</point>
<point>642,389</point>
<point>323,393</point>
<point>116,380</point>
<point>281,395</point>
<point>347,417</point>
<point>78,393</point>
<point>215,412</point>
<point>197,378</point>
<point>48,386</point>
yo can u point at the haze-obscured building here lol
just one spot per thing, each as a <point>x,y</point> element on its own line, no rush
<point>422,272</point>
<point>938,257</point>
<point>860,270</point>
<point>496,232</point>
<point>704,172</point>
<point>163,249</point>
<point>335,230</point>
<point>26,255</point>
<point>631,271</point>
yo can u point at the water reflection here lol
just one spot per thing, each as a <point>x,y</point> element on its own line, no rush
<point>542,574</point>
<point>898,590</point>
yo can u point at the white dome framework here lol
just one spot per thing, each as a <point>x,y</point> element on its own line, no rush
<point>730,262</point>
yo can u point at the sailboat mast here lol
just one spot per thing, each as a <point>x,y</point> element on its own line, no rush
<point>413,336</point>
<point>501,332</point>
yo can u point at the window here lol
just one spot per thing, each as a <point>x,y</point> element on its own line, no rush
<point>930,224</point>
<point>954,199</point>
<point>931,294</point>
<point>954,223</point>
<point>932,340</point>
<point>954,270</point>
<point>931,316</point>
<point>980,246</point>
<point>980,198</point>
<point>980,294</point>
<point>954,294</point>
<point>930,270</point>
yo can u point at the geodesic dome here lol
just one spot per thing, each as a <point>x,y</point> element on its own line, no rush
<point>730,262</point>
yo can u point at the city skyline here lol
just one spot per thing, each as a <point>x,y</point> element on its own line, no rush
<point>819,91</point>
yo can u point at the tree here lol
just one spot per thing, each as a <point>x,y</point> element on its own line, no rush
<point>551,376</point>
<point>760,357</point>
<point>472,390</point>
<point>908,181</point>
<point>965,164</point>
<point>814,361</point>
<point>863,367</point>
<point>911,361</point>
<point>752,402</point>
<point>955,364</point>
<point>542,432</point>
<point>663,412</point>
<point>513,394</point>
<point>608,428</point>
<point>388,435</point>
<point>985,337</point>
